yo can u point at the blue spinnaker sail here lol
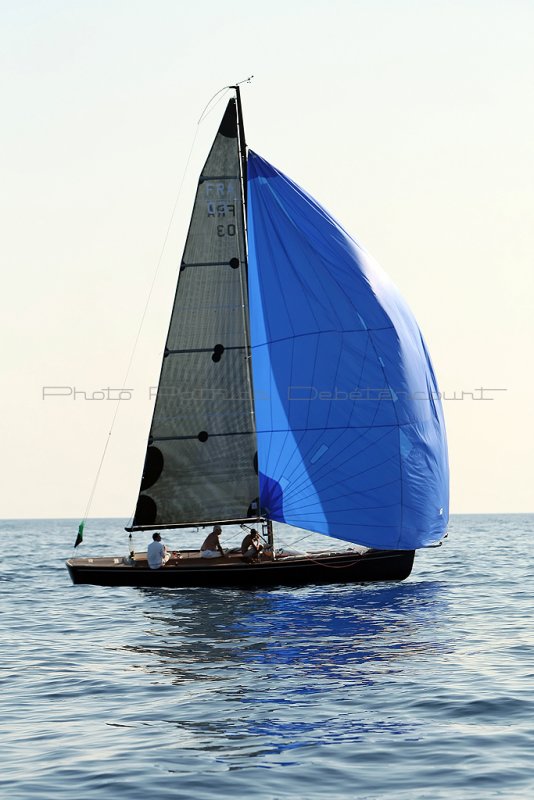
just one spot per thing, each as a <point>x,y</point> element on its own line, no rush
<point>350,430</point>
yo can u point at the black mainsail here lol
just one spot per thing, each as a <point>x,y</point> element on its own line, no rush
<point>201,463</point>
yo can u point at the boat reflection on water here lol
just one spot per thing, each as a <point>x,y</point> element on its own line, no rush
<point>349,634</point>
<point>319,627</point>
<point>303,665</point>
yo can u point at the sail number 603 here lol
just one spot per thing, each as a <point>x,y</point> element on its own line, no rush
<point>226,230</point>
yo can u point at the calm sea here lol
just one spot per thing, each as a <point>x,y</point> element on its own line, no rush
<point>421,689</point>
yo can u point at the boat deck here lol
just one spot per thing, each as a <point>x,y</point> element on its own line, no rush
<point>192,558</point>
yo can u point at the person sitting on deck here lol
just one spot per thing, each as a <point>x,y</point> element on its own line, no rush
<point>250,546</point>
<point>156,552</point>
<point>211,546</point>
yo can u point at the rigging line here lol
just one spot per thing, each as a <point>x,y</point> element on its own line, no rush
<point>206,113</point>
<point>224,89</point>
<point>143,316</point>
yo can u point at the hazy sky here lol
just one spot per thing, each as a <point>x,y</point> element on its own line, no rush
<point>411,120</point>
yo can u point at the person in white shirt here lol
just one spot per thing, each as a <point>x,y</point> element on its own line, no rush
<point>157,552</point>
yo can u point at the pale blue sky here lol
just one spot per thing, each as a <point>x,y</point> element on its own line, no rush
<point>411,121</point>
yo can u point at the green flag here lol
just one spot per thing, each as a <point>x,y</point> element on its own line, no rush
<point>79,538</point>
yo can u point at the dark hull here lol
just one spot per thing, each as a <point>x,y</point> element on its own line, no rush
<point>377,565</point>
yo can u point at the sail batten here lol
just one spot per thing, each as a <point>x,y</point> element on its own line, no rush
<point>206,264</point>
<point>183,438</point>
<point>202,350</point>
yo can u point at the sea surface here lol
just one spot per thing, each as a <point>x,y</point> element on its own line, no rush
<point>401,691</point>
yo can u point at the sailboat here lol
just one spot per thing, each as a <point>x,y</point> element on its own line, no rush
<point>295,388</point>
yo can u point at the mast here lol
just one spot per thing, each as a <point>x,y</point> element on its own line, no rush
<point>242,146</point>
<point>242,150</point>
<point>244,175</point>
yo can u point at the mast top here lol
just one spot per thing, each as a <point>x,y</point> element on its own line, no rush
<point>240,83</point>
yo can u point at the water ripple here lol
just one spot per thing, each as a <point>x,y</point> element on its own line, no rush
<point>414,690</point>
